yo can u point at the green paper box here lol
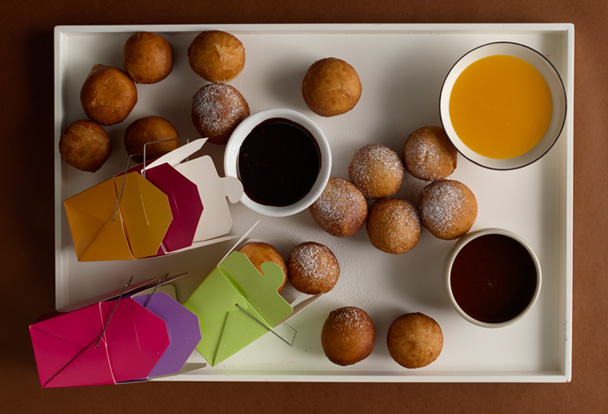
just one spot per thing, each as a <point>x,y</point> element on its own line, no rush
<point>226,329</point>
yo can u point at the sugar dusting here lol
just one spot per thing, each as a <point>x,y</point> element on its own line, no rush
<point>374,168</point>
<point>428,154</point>
<point>399,222</point>
<point>217,107</point>
<point>316,263</point>
<point>349,320</point>
<point>443,205</point>
<point>406,224</point>
<point>339,203</point>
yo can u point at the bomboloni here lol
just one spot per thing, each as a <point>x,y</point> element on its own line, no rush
<point>347,336</point>
<point>312,268</point>
<point>429,154</point>
<point>341,209</point>
<point>377,171</point>
<point>216,56</point>
<point>448,208</point>
<point>331,87</point>
<point>393,225</point>
<point>414,340</point>
<point>217,109</point>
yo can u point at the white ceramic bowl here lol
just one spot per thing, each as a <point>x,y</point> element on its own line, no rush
<point>558,96</point>
<point>456,250</point>
<point>242,131</point>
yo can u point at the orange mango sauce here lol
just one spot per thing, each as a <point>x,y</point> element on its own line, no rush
<point>500,106</point>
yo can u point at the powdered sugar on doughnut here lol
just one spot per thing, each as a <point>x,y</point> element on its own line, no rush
<point>393,226</point>
<point>312,268</point>
<point>405,224</point>
<point>217,109</point>
<point>315,262</point>
<point>341,209</point>
<point>429,154</point>
<point>376,170</point>
<point>448,208</point>
<point>350,319</point>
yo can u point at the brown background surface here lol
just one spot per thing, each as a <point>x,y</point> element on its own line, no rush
<point>26,235</point>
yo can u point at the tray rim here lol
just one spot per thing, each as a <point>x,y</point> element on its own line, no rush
<point>564,29</point>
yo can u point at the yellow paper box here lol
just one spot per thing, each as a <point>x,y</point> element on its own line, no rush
<point>105,229</point>
<point>134,229</point>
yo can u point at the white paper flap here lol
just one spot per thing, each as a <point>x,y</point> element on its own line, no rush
<point>216,219</point>
<point>179,154</point>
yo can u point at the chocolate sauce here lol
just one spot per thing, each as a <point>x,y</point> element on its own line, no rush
<point>493,278</point>
<point>278,162</point>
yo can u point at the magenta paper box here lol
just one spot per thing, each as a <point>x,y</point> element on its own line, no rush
<point>81,348</point>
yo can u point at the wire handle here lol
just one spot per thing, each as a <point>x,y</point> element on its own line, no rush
<point>269,329</point>
<point>112,313</point>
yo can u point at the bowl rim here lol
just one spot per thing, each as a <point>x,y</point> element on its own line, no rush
<point>466,239</point>
<point>479,161</point>
<point>241,132</point>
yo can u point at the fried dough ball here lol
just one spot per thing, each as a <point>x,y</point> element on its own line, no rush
<point>216,56</point>
<point>393,225</point>
<point>85,145</point>
<point>429,154</point>
<point>414,340</point>
<point>377,171</point>
<point>147,57</point>
<point>312,268</point>
<point>217,109</point>
<point>150,129</point>
<point>341,209</point>
<point>347,336</point>
<point>448,208</point>
<point>331,87</point>
<point>260,252</point>
<point>108,95</point>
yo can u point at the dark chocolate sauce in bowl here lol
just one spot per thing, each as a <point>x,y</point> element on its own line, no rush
<point>493,278</point>
<point>278,163</point>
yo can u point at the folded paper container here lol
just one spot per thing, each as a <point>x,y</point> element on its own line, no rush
<point>133,335</point>
<point>172,205</point>
<point>169,206</point>
<point>114,339</point>
<point>236,304</point>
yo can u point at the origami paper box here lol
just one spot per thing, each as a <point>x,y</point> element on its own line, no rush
<point>104,229</point>
<point>183,327</point>
<point>82,348</point>
<point>128,217</point>
<point>225,327</point>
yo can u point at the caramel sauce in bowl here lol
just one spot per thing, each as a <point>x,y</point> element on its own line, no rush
<point>493,277</point>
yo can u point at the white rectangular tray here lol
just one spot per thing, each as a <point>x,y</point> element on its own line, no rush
<point>401,68</point>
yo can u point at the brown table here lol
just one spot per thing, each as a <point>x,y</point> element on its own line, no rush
<point>27,212</point>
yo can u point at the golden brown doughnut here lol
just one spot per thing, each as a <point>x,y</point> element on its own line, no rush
<point>216,56</point>
<point>146,130</point>
<point>312,268</point>
<point>108,95</point>
<point>331,87</point>
<point>429,154</point>
<point>85,145</point>
<point>217,109</point>
<point>414,340</point>
<point>376,170</point>
<point>147,57</point>
<point>347,336</point>
<point>341,209</point>
<point>260,252</point>
<point>448,208</point>
<point>393,225</point>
